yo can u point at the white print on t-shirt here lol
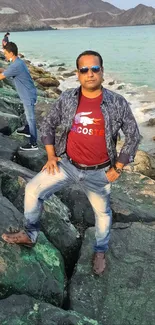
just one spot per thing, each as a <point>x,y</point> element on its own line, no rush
<point>85,120</point>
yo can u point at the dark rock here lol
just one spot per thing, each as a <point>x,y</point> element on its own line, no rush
<point>21,309</point>
<point>11,106</point>
<point>151,122</point>
<point>132,198</point>
<point>2,57</point>
<point>120,87</point>
<point>111,83</point>
<point>56,225</point>
<point>40,65</point>
<point>48,82</point>
<point>153,138</point>
<point>69,74</point>
<point>78,204</point>
<point>57,65</point>
<point>38,272</point>
<point>55,220</point>
<point>119,296</point>
<point>33,160</point>
<point>60,69</point>
<point>8,123</point>
<point>21,55</point>
<point>8,147</point>
<point>12,169</point>
<point>10,218</point>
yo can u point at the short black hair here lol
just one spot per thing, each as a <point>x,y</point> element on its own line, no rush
<point>89,52</point>
<point>11,47</point>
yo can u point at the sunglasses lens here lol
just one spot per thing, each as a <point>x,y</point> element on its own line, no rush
<point>83,70</point>
<point>95,68</point>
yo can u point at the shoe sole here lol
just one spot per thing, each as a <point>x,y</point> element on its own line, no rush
<point>30,149</point>
<point>24,134</point>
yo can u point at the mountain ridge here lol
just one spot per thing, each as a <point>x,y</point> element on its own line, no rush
<point>46,14</point>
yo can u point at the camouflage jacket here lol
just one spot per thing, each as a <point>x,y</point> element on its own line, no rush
<point>117,115</point>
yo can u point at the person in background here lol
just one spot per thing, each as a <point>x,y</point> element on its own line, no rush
<point>89,119</point>
<point>5,39</point>
<point>26,89</point>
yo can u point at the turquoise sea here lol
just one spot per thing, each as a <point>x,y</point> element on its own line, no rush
<point>128,52</point>
<point>129,59</point>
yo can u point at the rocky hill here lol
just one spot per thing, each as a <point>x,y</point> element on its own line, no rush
<point>38,14</point>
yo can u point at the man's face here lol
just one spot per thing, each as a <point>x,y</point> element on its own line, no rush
<point>8,55</point>
<point>90,80</point>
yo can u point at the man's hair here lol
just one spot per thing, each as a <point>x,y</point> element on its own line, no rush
<point>89,52</point>
<point>11,47</point>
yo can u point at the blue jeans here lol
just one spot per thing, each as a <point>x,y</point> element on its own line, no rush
<point>30,117</point>
<point>93,182</point>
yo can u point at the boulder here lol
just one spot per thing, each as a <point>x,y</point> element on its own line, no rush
<point>57,65</point>
<point>55,220</point>
<point>111,83</point>
<point>8,123</point>
<point>8,147</point>
<point>144,162</point>
<point>56,225</point>
<point>51,94</point>
<point>69,74</point>
<point>12,169</point>
<point>48,82</point>
<point>60,69</point>
<point>81,212</point>
<point>120,87</point>
<point>37,272</point>
<point>10,218</point>
<point>33,160</point>
<point>127,285</point>
<point>24,310</point>
<point>132,199</point>
<point>151,122</point>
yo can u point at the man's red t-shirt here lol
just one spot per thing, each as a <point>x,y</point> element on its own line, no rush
<point>86,142</point>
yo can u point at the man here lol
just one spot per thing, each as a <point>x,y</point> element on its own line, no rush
<point>20,75</point>
<point>5,39</point>
<point>89,119</point>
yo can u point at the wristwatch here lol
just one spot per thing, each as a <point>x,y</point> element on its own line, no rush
<point>118,170</point>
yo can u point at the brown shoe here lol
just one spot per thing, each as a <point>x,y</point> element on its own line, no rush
<point>19,237</point>
<point>99,263</point>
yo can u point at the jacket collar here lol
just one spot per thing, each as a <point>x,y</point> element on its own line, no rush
<point>76,92</point>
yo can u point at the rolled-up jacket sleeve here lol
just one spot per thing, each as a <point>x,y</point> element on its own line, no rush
<point>132,135</point>
<point>50,123</point>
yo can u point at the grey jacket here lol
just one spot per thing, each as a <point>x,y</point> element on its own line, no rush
<point>117,115</point>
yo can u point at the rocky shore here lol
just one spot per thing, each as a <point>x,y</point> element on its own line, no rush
<point>53,283</point>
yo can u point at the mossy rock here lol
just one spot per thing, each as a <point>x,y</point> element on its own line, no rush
<point>24,310</point>
<point>38,272</point>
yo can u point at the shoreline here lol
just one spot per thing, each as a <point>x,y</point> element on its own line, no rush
<point>57,27</point>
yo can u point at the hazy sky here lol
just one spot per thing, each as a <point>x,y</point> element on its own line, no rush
<point>126,4</point>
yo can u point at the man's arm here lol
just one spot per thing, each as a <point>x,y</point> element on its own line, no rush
<point>132,136</point>
<point>132,139</point>
<point>48,128</point>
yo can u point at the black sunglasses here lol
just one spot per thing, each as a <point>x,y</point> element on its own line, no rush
<point>94,69</point>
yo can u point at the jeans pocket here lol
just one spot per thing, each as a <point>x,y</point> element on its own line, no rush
<point>105,176</point>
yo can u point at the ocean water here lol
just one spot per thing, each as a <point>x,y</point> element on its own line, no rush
<point>128,54</point>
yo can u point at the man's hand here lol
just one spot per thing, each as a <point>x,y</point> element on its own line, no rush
<point>51,165</point>
<point>112,175</point>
